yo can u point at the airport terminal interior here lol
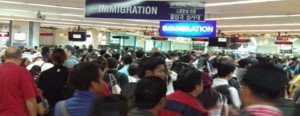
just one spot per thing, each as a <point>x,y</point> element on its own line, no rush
<point>150,58</point>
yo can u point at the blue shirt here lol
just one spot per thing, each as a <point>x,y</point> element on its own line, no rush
<point>125,70</point>
<point>79,105</point>
<point>297,70</point>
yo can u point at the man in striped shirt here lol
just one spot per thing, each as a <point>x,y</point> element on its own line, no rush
<point>261,86</point>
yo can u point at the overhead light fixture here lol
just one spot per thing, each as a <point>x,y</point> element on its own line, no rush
<point>238,2</point>
<point>42,5</point>
<point>259,25</point>
<point>255,17</point>
<point>278,30</point>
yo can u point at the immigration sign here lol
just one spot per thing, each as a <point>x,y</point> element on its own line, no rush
<point>187,29</point>
<point>141,9</point>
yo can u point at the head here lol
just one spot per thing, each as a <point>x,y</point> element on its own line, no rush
<point>133,69</point>
<point>112,63</point>
<point>102,52</point>
<point>92,58</point>
<point>58,57</point>
<point>262,84</point>
<point>209,97</point>
<point>154,50</point>
<point>152,67</point>
<point>244,63</point>
<point>25,62</point>
<point>89,77</point>
<point>187,59</point>
<point>13,54</point>
<point>140,54</point>
<point>69,50</point>
<point>174,56</point>
<point>127,59</point>
<point>225,70</point>
<point>189,80</point>
<point>116,55</point>
<point>150,93</point>
<point>111,105</point>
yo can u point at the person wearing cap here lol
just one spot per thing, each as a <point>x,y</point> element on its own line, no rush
<point>39,61</point>
<point>212,100</point>
<point>27,53</point>
<point>71,60</point>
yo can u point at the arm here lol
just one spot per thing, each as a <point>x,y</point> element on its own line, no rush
<point>31,106</point>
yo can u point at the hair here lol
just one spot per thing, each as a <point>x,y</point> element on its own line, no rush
<point>127,59</point>
<point>265,81</point>
<point>102,52</point>
<point>243,63</point>
<point>116,55</point>
<point>83,74</point>
<point>106,55</point>
<point>91,57</point>
<point>140,53</point>
<point>188,78</point>
<point>225,68</point>
<point>186,58</point>
<point>149,91</point>
<point>173,54</point>
<point>58,56</point>
<point>148,64</point>
<point>13,55</point>
<point>111,105</point>
<point>133,69</point>
<point>70,48</point>
<point>23,62</point>
<point>112,63</point>
<point>209,98</point>
<point>177,66</point>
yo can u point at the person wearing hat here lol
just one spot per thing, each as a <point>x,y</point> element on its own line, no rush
<point>71,60</point>
<point>39,61</point>
<point>212,100</point>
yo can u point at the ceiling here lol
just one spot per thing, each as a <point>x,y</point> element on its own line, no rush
<point>262,17</point>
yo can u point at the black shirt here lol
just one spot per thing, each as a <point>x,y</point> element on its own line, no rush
<point>52,82</point>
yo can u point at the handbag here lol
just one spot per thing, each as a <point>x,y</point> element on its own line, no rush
<point>115,87</point>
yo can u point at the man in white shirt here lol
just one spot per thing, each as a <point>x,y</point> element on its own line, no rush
<point>38,60</point>
<point>225,72</point>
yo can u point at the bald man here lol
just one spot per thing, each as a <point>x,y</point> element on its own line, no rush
<point>17,89</point>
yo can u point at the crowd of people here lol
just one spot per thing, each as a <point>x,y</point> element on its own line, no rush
<point>74,81</point>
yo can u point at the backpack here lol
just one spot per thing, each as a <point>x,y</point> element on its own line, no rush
<point>224,90</point>
<point>36,71</point>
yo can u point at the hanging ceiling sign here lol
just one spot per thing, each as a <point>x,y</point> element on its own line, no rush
<point>187,29</point>
<point>141,9</point>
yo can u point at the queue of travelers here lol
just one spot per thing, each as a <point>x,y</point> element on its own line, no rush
<point>81,81</point>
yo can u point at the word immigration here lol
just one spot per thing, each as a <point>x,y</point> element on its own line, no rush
<point>148,10</point>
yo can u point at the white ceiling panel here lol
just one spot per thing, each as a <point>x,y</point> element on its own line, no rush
<point>76,16</point>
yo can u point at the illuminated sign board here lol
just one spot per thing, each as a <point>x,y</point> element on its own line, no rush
<point>187,29</point>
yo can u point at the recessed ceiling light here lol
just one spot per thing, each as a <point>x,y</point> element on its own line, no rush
<point>238,2</point>
<point>259,25</point>
<point>278,30</point>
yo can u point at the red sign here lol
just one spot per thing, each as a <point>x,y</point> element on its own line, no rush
<point>4,35</point>
<point>243,40</point>
<point>199,39</point>
<point>284,42</point>
<point>159,38</point>
<point>46,34</point>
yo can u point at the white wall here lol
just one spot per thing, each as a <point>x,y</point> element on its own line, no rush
<point>60,37</point>
<point>180,46</point>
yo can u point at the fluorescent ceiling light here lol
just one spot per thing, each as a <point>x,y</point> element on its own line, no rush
<point>238,2</point>
<point>255,17</point>
<point>42,5</point>
<point>259,25</point>
<point>278,30</point>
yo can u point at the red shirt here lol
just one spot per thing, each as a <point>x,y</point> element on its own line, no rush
<point>16,86</point>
